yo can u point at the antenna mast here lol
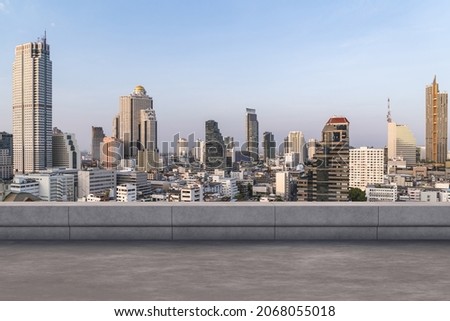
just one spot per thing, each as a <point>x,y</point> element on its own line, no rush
<point>389,118</point>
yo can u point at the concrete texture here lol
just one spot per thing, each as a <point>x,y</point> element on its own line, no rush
<point>223,233</point>
<point>326,215</point>
<point>33,233</point>
<point>121,233</point>
<point>48,215</point>
<point>414,233</point>
<point>417,215</point>
<point>224,270</point>
<point>325,233</point>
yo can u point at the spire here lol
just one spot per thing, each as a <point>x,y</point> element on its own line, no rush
<point>434,80</point>
<point>389,118</point>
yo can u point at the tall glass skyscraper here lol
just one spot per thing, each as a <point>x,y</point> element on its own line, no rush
<point>252,147</point>
<point>32,107</point>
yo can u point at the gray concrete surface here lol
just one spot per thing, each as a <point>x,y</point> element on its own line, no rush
<point>86,270</point>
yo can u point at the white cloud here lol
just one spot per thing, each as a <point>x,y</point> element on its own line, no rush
<point>2,7</point>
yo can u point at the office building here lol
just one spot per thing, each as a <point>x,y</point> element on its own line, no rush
<point>381,193</point>
<point>296,145</point>
<point>136,124</point>
<point>97,139</point>
<point>330,173</point>
<point>66,153</point>
<point>138,179</point>
<point>251,147</point>
<point>32,107</point>
<point>126,193</point>
<point>269,146</point>
<point>436,131</point>
<point>215,151</point>
<point>282,184</point>
<point>366,167</point>
<point>97,182</point>
<point>6,156</point>
<point>111,153</point>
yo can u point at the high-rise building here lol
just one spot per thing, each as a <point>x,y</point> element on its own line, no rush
<point>282,180</point>
<point>136,124</point>
<point>252,143</point>
<point>215,151</point>
<point>366,167</point>
<point>330,172</point>
<point>229,151</point>
<point>66,153</point>
<point>401,142</point>
<point>269,146</point>
<point>6,156</point>
<point>97,139</point>
<point>111,153</point>
<point>32,107</point>
<point>296,144</point>
<point>436,131</point>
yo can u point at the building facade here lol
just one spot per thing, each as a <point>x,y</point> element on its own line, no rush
<point>366,167</point>
<point>251,146</point>
<point>32,107</point>
<point>215,151</point>
<point>436,127</point>
<point>269,146</point>
<point>97,139</point>
<point>66,153</point>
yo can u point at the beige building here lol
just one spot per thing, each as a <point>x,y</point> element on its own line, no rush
<point>436,123</point>
<point>111,153</point>
<point>136,125</point>
<point>366,167</point>
<point>66,153</point>
<point>401,143</point>
<point>32,107</point>
<point>296,144</point>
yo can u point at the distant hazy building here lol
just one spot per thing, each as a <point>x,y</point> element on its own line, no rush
<point>136,124</point>
<point>32,107</point>
<point>436,131</point>
<point>97,139</point>
<point>269,146</point>
<point>296,145</point>
<point>111,152</point>
<point>366,167</point>
<point>251,146</point>
<point>199,151</point>
<point>66,153</point>
<point>214,146</point>
<point>311,148</point>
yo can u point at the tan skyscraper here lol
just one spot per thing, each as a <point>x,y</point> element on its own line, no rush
<point>32,107</point>
<point>136,127</point>
<point>436,123</point>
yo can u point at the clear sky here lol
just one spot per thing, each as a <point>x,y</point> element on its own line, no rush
<point>296,62</point>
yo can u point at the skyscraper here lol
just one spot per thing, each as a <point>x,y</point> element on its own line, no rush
<point>97,139</point>
<point>252,143</point>
<point>401,141</point>
<point>296,148</point>
<point>66,153</point>
<point>32,107</point>
<point>135,125</point>
<point>215,151</point>
<point>269,146</point>
<point>331,171</point>
<point>436,123</point>
<point>366,167</point>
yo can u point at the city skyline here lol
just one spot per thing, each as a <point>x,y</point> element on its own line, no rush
<point>205,61</point>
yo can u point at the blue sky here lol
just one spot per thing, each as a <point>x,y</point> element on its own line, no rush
<point>296,62</point>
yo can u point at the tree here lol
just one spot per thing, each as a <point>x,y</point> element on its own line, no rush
<point>357,195</point>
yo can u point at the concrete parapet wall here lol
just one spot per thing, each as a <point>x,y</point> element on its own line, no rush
<point>224,221</point>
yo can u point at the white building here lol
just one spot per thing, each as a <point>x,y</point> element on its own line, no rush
<point>98,181</point>
<point>414,194</point>
<point>53,187</point>
<point>366,167</point>
<point>429,196</point>
<point>296,147</point>
<point>126,193</point>
<point>282,184</point>
<point>23,184</point>
<point>32,107</point>
<point>381,193</point>
<point>192,193</point>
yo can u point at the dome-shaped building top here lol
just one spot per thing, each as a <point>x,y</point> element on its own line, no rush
<point>139,90</point>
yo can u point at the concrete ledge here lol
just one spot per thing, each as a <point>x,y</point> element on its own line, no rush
<point>326,233</point>
<point>326,215</point>
<point>121,233</point>
<point>120,216</point>
<point>226,221</point>
<point>34,233</point>
<point>48,215</point>
<point>414,233</point>
<point>223,215</point>
<point>223,233</point>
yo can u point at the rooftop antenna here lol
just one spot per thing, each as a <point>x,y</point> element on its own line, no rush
<point>389,118</point>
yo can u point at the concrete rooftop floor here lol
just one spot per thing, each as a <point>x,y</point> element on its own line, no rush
<point>224,270</point>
